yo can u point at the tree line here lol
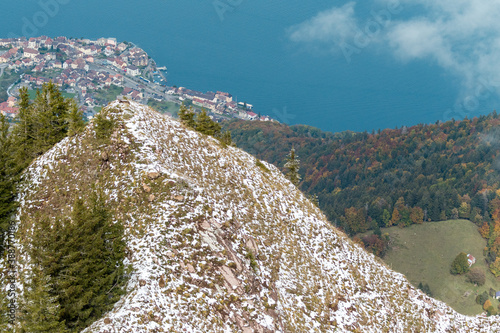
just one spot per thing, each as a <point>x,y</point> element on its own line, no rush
<point>40,124</point>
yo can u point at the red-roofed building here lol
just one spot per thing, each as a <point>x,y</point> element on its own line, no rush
<point>11,101</point>
<point>7,110</point>
<point>471,260</point>
<point>252,115</point>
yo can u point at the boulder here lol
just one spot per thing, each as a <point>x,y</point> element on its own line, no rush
<point>153,175</point>
<point>146,188</point>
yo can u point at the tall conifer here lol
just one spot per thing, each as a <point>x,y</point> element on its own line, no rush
<point>92,275</point>
<point>206,125</point>
<point>293,166</point>
<point>7,181</point>
<point>187,116</point>
<point>75,119</point>
<point>40,311</point>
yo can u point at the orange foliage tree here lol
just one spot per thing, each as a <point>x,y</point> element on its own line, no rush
<point>395,217</point>
<point>417,215</point>
<point>485,230</point>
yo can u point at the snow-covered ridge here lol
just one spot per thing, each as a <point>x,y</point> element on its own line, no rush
<point>219,244</point>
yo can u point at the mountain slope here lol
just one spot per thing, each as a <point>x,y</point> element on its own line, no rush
<point>219,243</point>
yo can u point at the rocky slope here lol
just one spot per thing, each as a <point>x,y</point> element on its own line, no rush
<point>221,243</point>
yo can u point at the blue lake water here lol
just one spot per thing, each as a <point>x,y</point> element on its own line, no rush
<point>246,51</point>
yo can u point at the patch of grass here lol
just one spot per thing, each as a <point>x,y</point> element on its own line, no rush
<point>109,94</point>
<point>164,106</point>
<point>49,74</point>
<point>261,165</point>
<point>424,253</point>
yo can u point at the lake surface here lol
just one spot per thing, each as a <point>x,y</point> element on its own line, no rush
<point>243,47</point>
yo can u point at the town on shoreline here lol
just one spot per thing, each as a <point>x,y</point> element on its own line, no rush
<point>96,72</point>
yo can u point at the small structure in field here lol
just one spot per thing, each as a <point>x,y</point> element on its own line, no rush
<point>471,260</point>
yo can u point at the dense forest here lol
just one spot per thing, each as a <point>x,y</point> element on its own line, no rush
<point>427,172</point>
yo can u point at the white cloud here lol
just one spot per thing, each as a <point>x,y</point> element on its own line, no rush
<point>461,36</point>
<point>329,26</point>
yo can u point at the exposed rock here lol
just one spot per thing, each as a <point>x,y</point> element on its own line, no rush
<point>252,246</point>
<point>228,275</point>
<point>153,175</point>
<point>178,198</point>
<point>104,156</point>
<point>142,283</point>
<point>161,283</point>
<point>146,188</point>
<point>205,225</point>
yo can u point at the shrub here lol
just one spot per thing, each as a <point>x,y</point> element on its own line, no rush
<point>425,288</point>
<point>476,276</point>
<point>460,264</point>
<point>492,311</point>
<point>103,126</point>
<point>487,305</point>
<point>481,299</point>
<point>375,245</point>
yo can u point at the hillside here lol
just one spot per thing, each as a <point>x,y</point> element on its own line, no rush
<point>428,170</point>
<point>218,243</point>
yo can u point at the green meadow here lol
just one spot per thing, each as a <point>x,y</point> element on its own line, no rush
<point>424,253</point>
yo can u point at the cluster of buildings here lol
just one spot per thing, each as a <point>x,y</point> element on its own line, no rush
<point>219,103</point>
<point>84,67</point>
<point>131,61</point>
<point>74,59</point>
<point>9,108</point>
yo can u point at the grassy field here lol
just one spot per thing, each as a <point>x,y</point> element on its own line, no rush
<point>108,94</point>
<point>424,253</point>
<point>169,107</point>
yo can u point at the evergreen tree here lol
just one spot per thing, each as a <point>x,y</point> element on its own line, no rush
<point>7,181</point>
<point>40,311</point>
<point>23,133</point>
<point>75,119</point>
<point>460,264</point>
<point>206,125</point>
<point>226,138</point>
<point>51,112</point>
<point>186,116</point>
<point>293,166</point>
<point>84,258</point>
<point>92,276</point>
<point>40,124</point>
